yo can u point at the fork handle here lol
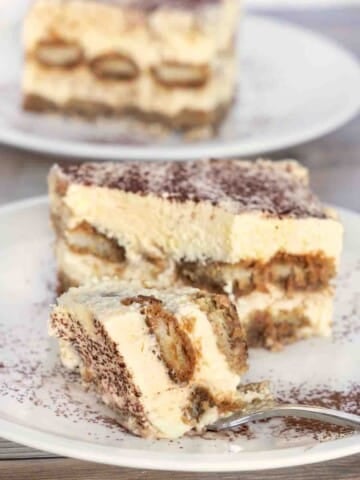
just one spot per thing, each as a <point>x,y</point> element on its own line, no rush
<point>322,414</point>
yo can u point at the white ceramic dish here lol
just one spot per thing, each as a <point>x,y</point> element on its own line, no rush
<point>294,86</point>
<point>42,408</point>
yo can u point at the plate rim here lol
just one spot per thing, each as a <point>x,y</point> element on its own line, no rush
<point>68,149</point>
<point>180,461</point>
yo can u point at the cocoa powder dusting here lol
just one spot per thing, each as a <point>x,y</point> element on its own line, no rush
<point>275,188</point>
<point>148,6</point>
<point>347,401</point>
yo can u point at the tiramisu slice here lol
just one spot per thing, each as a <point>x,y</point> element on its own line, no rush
<point>163,60</point>
<point>251,229</point>
<point>167,361</point>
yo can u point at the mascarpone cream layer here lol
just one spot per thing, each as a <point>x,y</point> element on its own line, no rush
<point>144,93</point>
<point>163,400</point>
<point>174,34</point>
<point>151,225</point>
<point>317,307</point>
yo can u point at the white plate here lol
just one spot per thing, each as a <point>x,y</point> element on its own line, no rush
<point>294,86</point>
<point>45,408</point>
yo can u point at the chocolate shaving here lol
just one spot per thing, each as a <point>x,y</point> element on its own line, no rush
<point>269,187</point>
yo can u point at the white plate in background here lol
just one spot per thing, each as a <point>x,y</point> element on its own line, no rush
<point>293,86</point>
<point>44,408</point>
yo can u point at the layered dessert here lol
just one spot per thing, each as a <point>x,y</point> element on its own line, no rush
<point>168,61</point>
<point>189,342</point>
<point>253,230</point>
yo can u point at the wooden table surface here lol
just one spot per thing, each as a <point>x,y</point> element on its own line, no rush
<point>334,161</point>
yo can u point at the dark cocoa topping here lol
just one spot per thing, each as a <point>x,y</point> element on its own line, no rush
<point>347,401</point>
<point>104,368</point>
<point>178,4</point>
<point>151,5</point>
<point>269,187</point>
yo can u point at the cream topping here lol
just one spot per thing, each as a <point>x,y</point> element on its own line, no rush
<point>164,402</point>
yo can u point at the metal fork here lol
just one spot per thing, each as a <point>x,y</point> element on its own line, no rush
<point>321,414</point>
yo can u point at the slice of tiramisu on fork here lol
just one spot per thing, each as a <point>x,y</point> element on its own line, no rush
<point>167,361</point>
